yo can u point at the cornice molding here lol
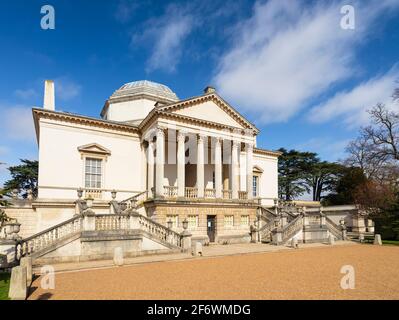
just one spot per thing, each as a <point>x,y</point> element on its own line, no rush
<point>267,152</point>
<point>218,101</point>
<point>82,120</point>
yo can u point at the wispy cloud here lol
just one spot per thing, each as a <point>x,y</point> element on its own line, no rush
<point>328,148</point>
<point>351,105</point>
<point>66,89</point>
<point>125,10</point>
<point>26,94</point>
<point>288,54</point>
<point>17,123</point>
<point>165,35</point>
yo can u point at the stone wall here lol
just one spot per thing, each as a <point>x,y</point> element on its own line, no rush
<point>232,234</point>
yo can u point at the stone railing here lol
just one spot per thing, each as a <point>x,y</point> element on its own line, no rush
<point>242,195</point>
<point>134,202</point>
<point>266,231</point>
<point>292,228</point>
<point>210,193</point>
<point>191,192</point>
<point>48,237</point>
<point>227,194</point>
<point>170,191</point>
<point>159,231</point>
<point>93,193</point>
<point>108,222</point>
<point>335,229</point>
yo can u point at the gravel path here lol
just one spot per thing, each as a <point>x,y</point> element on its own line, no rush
<point>312,273</point>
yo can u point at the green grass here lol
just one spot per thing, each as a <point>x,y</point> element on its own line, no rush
<point>4,285</point>
<point>391,242</point>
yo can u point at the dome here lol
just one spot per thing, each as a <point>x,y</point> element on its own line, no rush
<point>146,88</point>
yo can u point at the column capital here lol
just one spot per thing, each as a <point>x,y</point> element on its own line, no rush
<point>201,137</point>
<point>160,131</point>
<point>218,140</point>
<point>249,146</point>
<point>181,135</point>
<point>236,143</point>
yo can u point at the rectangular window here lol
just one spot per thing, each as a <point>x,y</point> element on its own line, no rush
<point>244,220</point>
<point>192,221</point>
<point>255,184</point>
<point>93,173</point>
<point>229,221</point>
<point>174,219</point>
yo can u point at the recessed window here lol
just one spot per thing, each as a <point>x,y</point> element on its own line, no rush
<point>244,220</point>
<point>229,221</point>
<point>192,221</point>
<point>174,219</point>
<point>93,173</point>
<point>255,186</point>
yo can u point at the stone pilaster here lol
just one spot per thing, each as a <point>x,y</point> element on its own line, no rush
<point>234,169</point>
<point>160,163</point>
<point>150,170</point>
<point>218,167</point>
<point>249,171</point>
<point>181,164</point>
<point>200,166</point>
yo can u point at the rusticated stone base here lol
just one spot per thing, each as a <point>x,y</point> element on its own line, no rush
<point>161,210</point>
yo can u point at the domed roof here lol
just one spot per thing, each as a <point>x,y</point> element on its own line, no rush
<point>148,88</point>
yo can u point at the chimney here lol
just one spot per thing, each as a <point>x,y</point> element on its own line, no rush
<point>209,89</point>
<point>49,96</point>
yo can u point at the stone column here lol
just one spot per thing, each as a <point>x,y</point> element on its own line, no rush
<point>218,167</point>
<point>200,166</point>
<point>249,150</point>
<point>181,157</point>
<point>150,170</point>
<point>234,169</point>
<point>160,162</point>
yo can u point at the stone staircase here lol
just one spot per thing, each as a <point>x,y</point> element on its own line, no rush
<point>94,236</point>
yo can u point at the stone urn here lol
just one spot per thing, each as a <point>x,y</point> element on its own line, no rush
<point>12,229</point>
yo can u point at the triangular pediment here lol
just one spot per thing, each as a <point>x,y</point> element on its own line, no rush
<point>210,108</point>
<point>94,148</point>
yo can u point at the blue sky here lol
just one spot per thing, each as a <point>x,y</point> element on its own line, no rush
<point>287,65</point>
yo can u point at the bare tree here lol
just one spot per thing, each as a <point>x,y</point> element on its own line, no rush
<point>384,132</point>
<point>363,154</point>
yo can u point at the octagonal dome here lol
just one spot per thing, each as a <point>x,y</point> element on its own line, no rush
<point>146,88</point>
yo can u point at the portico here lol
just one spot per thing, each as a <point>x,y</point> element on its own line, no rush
<point>199,165</point>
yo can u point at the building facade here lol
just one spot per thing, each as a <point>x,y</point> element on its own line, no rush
<point>194,159</point>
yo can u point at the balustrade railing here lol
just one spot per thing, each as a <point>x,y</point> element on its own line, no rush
<point>334,228</point>
<point>242,195</point>
<point>227,194</point>
<point>93,193</point>
<point>210,193</point>
<point>170,191</point>
<point>160,231</point>
<point>49,236</point>
<point>109,222</point>
<point>191,192</point>
<point>134,202</point>
<point>292,228</point>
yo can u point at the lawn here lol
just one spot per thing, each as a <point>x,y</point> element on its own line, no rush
<point>391,242</point>
<point>4,285</point>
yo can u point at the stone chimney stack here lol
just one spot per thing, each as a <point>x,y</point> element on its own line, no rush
<point>209,89</point>
<point>49,95</point>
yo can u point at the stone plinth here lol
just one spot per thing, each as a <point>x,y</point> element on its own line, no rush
<point>18,289</point>
<point>377,240</point>
<point>26,262</point>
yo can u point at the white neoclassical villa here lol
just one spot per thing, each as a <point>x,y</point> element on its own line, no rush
<point>150,170</point>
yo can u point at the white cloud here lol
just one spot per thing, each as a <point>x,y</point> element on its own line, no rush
<point>288,53</point>
<point>327,148</point>
<point>66,89</point>
<point>27,94</point>
<point>352,105</point>
<point>125,10</point>
<point>166,35</point>
<point>18,123</point>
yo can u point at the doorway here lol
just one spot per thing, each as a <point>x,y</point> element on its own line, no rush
<point>211,227</point>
